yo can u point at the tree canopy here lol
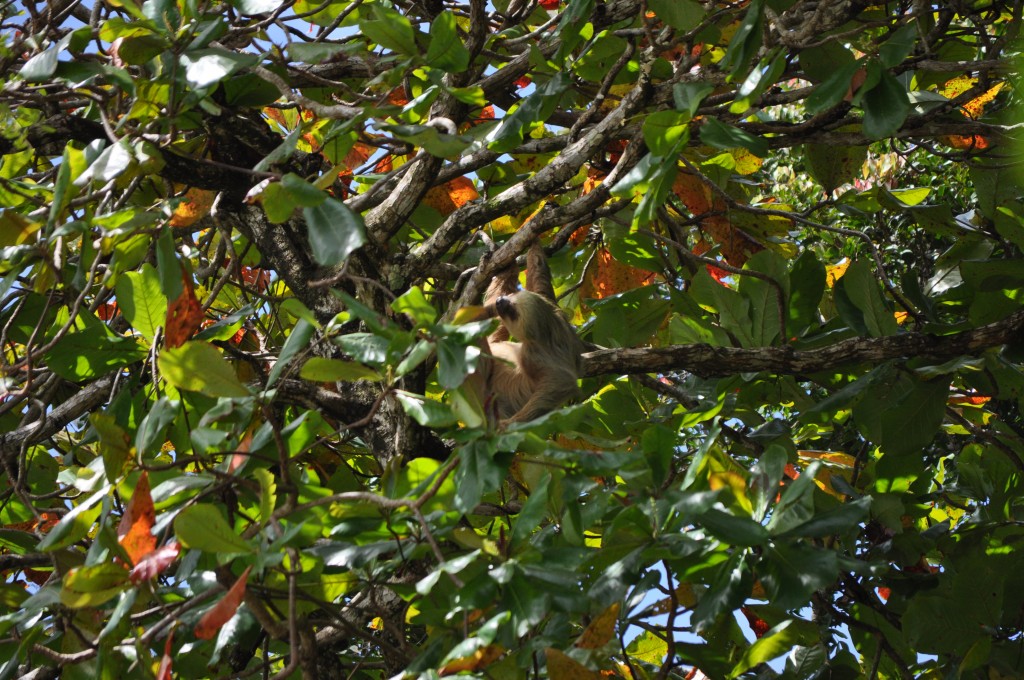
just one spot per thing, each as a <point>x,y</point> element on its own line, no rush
<point>236,239</point>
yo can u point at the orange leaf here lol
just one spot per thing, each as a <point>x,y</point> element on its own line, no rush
<point>241,453</point>
<point>134,533</point>
<point>184,316</point>
<point>562,667</point>
<point>107,311</point>
<point>221,613</point>
<point>693,192</point>
<point>607,276</point>
<point>194,206</point>
<point>164,671</point>
<point>154,564</point>
<point>482,657</point>
<point>971,399</point>
<point>449,197</point>
<point>600,630</point>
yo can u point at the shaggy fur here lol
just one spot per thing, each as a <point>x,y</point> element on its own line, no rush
<point>536,373</point>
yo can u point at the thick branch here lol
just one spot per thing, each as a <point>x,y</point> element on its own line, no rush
<point>705,360</point>
<point>91,396</point>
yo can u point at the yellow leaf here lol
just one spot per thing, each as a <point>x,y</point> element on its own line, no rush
<point>562,667</point>
<point>746,162</point>
<point>834,272</point>
<point>482,657</point>
<point>684,597</point>
<point>467,314</point>
<point>600,630</point>
<point>195,205</point>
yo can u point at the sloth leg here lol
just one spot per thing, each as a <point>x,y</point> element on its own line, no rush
<point>538,274</point>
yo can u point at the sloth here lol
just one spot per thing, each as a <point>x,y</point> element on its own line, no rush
<point>524,379</point>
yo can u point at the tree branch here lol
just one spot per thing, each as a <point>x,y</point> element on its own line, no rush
<point>706,360</point>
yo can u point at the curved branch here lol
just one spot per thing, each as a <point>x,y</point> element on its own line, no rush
<point>705,360</point>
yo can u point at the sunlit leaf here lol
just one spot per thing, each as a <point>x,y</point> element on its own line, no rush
<point>200,367</point>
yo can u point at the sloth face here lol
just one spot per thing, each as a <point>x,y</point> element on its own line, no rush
<point>506,308</point>
<point>529,317</point>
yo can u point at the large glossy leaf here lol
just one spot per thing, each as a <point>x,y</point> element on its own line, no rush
<point>142,301</point>
<point>199,367</point>
<point>203,527</point>
<point>335,232</point>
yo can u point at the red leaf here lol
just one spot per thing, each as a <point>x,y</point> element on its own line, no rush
<point>154,564</point>
<point>184,316</point>
<point>164,672</point>
<point>134,533</point>
<point>221,613</point>
<point>757,624</point>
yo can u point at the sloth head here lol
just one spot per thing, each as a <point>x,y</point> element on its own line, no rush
<point>533,318</point>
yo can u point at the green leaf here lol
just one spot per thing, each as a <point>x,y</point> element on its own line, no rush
<point>150,435</point>
<point>723,136</point>
<point>39,68</point>
<point>75,525</point>
<point>774,643</point>
<point>297,341</point>
<point>836,521</point>
<point>92,352</point>
<point>301,192</point>
<point>209,66</point>
<point>250,7</point>
<point>313,53</point>
<point>319,369</point>
<point>806,288</point>
<point>140,49</point>
<point>664,130</point>
<point>682,15</point>
<point>455,361</point>
<point>688,96</point>
<point>425,411</point>
<point>731,586</point>
<point>911,419</point>
<point>446,50</point>
<point>746,40</point>
<point>112,162</point>
<point>791,573</point>
<point>899,45</point>
<point>886,106</point>
<point>200,367</point>
<point>268,493</point>
<point>733,529</point>
<point>436,143</point>
<point>478,474</point>
<point>391,30</point>
<point>335,232</point>
<point>142,301</point>
<point>832,166</point>
<point>536,107</point>
<point>864,293</point>
<point>203,527</point>
<point>91,586</point>
<point>414,303</point>
<point>831,91</point>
